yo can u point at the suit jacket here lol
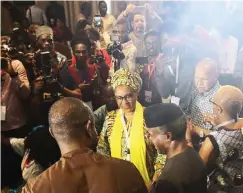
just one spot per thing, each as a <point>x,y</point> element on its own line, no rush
<point>85,171</point>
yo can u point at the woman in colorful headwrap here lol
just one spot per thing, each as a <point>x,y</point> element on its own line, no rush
<point>124,133</point>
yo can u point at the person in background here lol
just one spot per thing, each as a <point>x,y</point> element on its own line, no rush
<point>138,31</point>
<point>55,11</point>
<point>90,76</point>
<point>36,15</point>
<point>121,6</point>
<point>72,126</point>
<point>206,83</point>
<point>15,88</point>
<point>181,54</point>
<point>44,92</point>
<point>38,150</point>
<point>184,170</point>
<point>83,19</point>
<point>110,105</point>
<point>121,30</point>
<point>61,32</point>
<point>114,139</point>
<point>142,19</point>
<point>94,38</point>
<point>108,21</point>
<point>149,94</point>
<point>224,145</point>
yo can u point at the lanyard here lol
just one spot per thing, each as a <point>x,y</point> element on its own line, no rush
<point>150,71</point>
<point>128,157</point>
<point>224,124</point>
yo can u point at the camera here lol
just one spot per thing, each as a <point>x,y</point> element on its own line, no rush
<point>115,49</point>
<point>97,58</point>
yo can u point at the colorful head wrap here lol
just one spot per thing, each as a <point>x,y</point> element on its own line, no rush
<point>127,78</point>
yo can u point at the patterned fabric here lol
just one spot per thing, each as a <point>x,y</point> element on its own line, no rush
<point>228,140</point>
<point>200,104</point>
<point>154,161</point>
<point>128,78</point>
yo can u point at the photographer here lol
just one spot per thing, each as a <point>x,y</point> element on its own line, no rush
<point>14,90</point>
<point>149,92</point>
<point>53,80</point>
<point>90,71</point>
<point>123,45</point>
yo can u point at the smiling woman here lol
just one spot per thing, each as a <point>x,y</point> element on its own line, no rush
<point>124,134</point>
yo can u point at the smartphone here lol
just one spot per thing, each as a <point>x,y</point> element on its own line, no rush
<point>44,62</point>
<point>97,21</point>
<point>141,60</point>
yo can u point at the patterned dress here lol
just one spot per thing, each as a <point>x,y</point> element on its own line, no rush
<point>154,161</point>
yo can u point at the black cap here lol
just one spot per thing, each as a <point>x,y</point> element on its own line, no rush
<point>161,114</point>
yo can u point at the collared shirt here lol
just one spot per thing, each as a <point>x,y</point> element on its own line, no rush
<point>200,104</point>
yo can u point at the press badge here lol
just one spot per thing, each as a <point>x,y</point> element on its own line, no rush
<point>175,100</point>
<point>148,96</point>
<point>3,113</point>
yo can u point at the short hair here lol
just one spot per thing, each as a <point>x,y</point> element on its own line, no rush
<point>101,2</point>
<point>84,5</point>
<point>67,118</point>
<point>93,34</point>
<point>177,128</point>
<point>124,22</point>
<point>151,33</point>
<point>136,13</point>
<point>81,37</point>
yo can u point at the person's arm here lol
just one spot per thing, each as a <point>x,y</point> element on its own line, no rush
<point>103,146</point>
<point>206,151</point>
<point>99,115</point>
<point>21,79</point>
<point>72,93</point>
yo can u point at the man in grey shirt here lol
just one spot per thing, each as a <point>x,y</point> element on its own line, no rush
<point>36,15</point>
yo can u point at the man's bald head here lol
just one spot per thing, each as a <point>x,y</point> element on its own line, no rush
<point>206,75</point>
<point>68,117</point>
<point>230,99</point>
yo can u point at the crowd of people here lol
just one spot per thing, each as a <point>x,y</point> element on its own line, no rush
<point>136,102</point>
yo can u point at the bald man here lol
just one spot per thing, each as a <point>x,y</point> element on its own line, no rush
<point>80,169</point>
<point>224,146</point>
<point>206,85</point>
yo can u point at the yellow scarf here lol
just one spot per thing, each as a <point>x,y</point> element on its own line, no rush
<point>136,138</point>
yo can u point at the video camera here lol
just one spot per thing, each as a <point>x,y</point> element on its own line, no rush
<point>44,63</point>
<point>115,49</point>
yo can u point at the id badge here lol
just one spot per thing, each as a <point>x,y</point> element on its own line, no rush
<point>148,96</point>
<point>3,113</point>
<point>175,100</point>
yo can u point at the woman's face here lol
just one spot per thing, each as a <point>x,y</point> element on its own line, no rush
<point>126,98</point>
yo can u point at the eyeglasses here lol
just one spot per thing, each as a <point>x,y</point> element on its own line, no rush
<point>221,110</point>
<point>50,41</point>
<point>127,98</point>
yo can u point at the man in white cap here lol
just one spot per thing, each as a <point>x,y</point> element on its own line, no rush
<point>52,77</point>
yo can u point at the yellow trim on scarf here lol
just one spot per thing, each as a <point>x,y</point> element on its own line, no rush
<point>137,142</point>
